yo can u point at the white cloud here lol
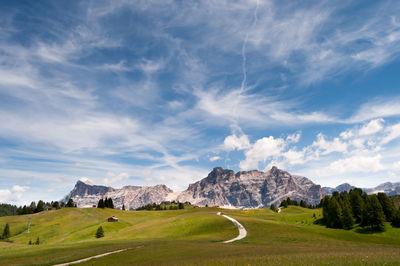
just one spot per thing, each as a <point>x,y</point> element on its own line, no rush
<point>12,195</point>
<point>237,107</point>
<point>376,109</point>
<point>364,164</point>
<point>295,157</point>
<point>327,147</point>
<point>215,158</point>
<point>393,132</point>
<point>347,134</point>
<point>261,151</point>
<point>115,179</point>
<point>293,138</point>
<point>372,127</point>
<point>234,142</point>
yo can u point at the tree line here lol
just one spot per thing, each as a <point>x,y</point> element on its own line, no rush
<point>106,203</point>
<point>346,209</point>
<point>163,206</point>
<point>11,210</point>
<point>289,202</point>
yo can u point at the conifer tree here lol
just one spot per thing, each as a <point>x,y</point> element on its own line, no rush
<point>373,214</point>
<point>110,203</point>
<point>324,204</point>
<point>100,232</point>
<point>100,204</point>
<point>347,216</point>
<point>334,214</point>
<point>6,232</point>
<point>387,205</point>
<point>37,241</point>
<point>40,206</point>
<point>56,205</point>
<point>303,204</point>
<point>396,219</point>
<point>70,203</point>
<point>123,207</point>
<point>357,204</point>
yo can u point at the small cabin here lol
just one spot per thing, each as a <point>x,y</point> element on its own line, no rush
<point>112,219</point>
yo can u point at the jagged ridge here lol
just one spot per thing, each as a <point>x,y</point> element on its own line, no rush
<point>222,187</point>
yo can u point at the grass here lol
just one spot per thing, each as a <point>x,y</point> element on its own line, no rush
<point>193,236</point>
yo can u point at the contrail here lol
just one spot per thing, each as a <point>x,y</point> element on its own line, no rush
<point>235,126</point>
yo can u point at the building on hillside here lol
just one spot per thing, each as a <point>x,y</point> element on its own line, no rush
<point>112,219</point>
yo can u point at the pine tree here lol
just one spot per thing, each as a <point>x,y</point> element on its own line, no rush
<point>56,205</point>
<point>273,208</point>
<point>30,242</point>
<point>100,232</point>
<point>32,207</point>
<point>324,204</point>
<point>373,214</point>
<point>123,207</point>
<point>40,206</point>
<point>6,232</point>
<point>334,214</point>
<point>347,216</point>
<point>303,204</point>
<point>70,203</point>
<point>357,204</point>
<point>181,205</point>
<point>396,219</point>
<point>387,205</point>
<point>37,241</point>
<point>100,204</point>
<point>110,203</point>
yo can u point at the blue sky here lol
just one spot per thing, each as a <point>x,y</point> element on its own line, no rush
<point>149,92</point>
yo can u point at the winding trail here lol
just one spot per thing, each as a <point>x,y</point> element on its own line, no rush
<point>242,230</point>
<point>242,234</point>
<point>89,258</point>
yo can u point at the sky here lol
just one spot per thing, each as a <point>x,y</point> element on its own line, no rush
<point>161,92</point>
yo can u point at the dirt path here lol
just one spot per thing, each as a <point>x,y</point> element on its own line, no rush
<point>242,230</point>
<point>89,258</point>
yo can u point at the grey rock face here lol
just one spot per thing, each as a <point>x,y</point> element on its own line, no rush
<point>86,195</point>
<point>340,188</point>
<point>250,189</point>
<point>222,187</point>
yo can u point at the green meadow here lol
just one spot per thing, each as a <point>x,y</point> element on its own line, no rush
<point>193,237</point>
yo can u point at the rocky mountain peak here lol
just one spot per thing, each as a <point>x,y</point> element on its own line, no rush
<point>250,189</point>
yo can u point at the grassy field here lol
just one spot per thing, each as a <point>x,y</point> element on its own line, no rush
<point>193,236</point>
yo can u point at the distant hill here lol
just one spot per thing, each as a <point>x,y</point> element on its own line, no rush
<point>389,188</point>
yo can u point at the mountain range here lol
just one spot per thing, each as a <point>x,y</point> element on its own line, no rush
<point>222,187</point>
<point>389,188</point>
